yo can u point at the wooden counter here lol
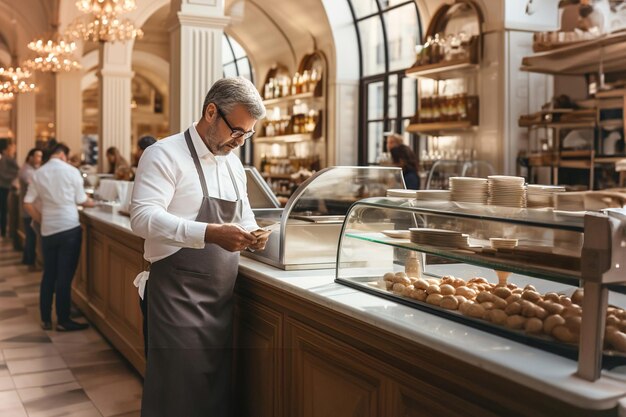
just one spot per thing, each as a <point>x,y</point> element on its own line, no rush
<point>310,347</point>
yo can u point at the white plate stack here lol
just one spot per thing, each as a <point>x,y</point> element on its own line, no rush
<point>468,190</point>
<point>507,191</point>
<point>502,243</point>
<point>439,237</point>
<point>433,195</point>
<point>400,192</point>
<point>542,195</point>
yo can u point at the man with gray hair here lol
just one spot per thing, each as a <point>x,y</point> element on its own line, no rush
<point>190,204</point>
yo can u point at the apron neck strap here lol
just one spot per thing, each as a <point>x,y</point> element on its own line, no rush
<point>196,161</point>
<point>232,178</point>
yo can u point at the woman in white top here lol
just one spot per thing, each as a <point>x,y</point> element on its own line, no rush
<point>59,187</point>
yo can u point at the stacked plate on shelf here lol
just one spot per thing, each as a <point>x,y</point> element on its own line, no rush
<point>502,243</point>
<point>468,190</point>
<point>507,191</point>
<point>439,237</point>
<point>542,195</point>
<point>433,195</point>
<point>400,192</point>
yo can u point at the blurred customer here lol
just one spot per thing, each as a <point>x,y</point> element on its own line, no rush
<point>33,161</point>
<point>118,166</point>
<point>142,145</point>
<point>59,187</point>
<point>394,140</point>
<point>404,158</point>
<point>9,170</point>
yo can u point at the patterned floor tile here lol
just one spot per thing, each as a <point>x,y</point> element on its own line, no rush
<point>43,350</point>
<point>11,405</point>
<point>26,366</point>
<point>42,379</point>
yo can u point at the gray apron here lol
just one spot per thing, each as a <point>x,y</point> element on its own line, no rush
<point>190,320</point>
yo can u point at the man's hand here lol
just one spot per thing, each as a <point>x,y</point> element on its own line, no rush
<point>231,237</point>
<point>262,236</point>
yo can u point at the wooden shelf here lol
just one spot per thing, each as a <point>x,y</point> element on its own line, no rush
<point>288,99</point>
<point>442,70</point>
<point>579,153</point>
<point>575,163</point>
<point>440,127</point>
<point>609,159</point>
<point>617,93</point>
<point>611,124</point>
<point>560,125</point>
<point>295,138</point>
<point>582,58</point>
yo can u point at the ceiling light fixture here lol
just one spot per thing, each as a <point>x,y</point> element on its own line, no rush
<point>101,22</point>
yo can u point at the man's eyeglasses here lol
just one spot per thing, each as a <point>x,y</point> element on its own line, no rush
<point>235,132</point>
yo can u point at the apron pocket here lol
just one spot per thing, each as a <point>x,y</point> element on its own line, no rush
<point>192,274</point>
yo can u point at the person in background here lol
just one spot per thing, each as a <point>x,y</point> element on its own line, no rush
<point>59,188</point>
<point>9,170</point>
<point>142,145</point>
<point>33,162</point>
<point>118,166</point>
<point>190,204</point>
<point>403,157</point>
<point>393,140</point>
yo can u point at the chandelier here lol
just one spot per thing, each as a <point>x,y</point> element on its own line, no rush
<point>102,22</point>
<point>54,54</point>
<point>14,81</point>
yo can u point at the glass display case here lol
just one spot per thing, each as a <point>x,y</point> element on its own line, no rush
<point>546,278</point>
<point>306,231</point>
<point>260,194</point>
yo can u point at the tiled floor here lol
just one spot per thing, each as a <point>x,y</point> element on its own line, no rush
<point>45,374</point>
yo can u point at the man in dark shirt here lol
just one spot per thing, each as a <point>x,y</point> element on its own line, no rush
<point>8,173</point>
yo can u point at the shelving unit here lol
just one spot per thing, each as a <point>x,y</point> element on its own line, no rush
<point>603,55</point>
<point>301,118</point>
<point>440,127</point>
<point>443,70</point>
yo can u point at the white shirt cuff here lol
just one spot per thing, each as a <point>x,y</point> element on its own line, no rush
<point>196,232</point>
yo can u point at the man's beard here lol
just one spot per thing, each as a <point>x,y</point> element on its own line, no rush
<point>217,148</point>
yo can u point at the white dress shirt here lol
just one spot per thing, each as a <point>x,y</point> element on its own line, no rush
<point>167,194</point>
<point>59,188</point>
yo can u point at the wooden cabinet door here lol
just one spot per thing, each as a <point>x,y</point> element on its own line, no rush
<point>124,265</point>
<point>327,378</point>
<point>98,271</point>
<point>258,360</point>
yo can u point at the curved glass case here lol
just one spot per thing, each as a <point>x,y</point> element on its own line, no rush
<point>306,231</point>
<point>422,253</point>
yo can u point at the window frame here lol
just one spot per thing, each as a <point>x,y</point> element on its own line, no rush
<point>364,81</point>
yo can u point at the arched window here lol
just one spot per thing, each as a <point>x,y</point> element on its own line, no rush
<point>235,60</point>
<point>387,31</point>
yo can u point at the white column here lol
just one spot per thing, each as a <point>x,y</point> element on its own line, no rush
<point>25,124</point>
<point>196,58</point>
<point>114,85</point>
<point>69,110</point>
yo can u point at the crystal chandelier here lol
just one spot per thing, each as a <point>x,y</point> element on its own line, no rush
<point>14,81</point>
<point>102,22</point>
<point>54,54</point>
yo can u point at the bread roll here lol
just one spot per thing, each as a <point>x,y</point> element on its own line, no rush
<point>612,320</point>
<point>479,280</point>
<point>533,325</point>
<point>502,292</point>
<point>450,302</point>
<point>389,285</point>
<point>551,307</point>
<point>487,305</point>
<point>484,296</point>
<point>466,292</point>
<point>564,300</point>
<point>389,276</point>
<point>476,310</point>
<point>617,340</point>
<point>511,286</point>
<point>518,291</point>
<point>572,310</point>
<point>499,303</point>
<point>530,287</point>
<point>563,334</point>
<point>513,308</point>
<point>460,299</point>
<point>420,295</point>
<point>398,288</point>
<point>408,290</point>
<point>551,296</point>
<point>573,323</point>
<point>433,289</point>
<point>532,296</point>
<point>458,282</point>
<point>434,299</point>
<point>433,281</point>
<point>447,280</point>
<point>577,296</point>
<point>496,316</point>
<point>513,298</point>
<point>515,321</point>
<point>622,325</point>
<point>464,306</point>
<point>528,308</point>
<point>551,322</point>
<point>421,284</point>
<point>447,289</point>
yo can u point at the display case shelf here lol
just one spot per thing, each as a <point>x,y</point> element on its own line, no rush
<point>440,127</point>
<point>443,70</point>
